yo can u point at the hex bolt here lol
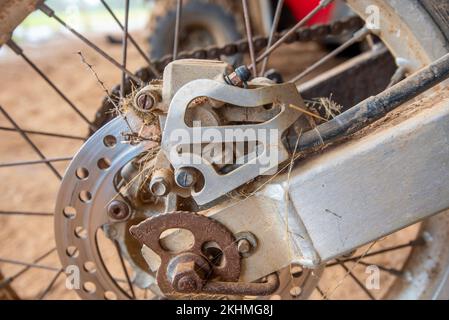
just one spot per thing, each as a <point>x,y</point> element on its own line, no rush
<point>188,272</point>
<point>246,243</point>
<point>243,73</point>
<point>187,284</point>
<point>244,246</point>
<point>186,177</point>
<point>145,102</point>
<point>146,99</point>
<point>161,182</point>
<point>274,75</point>
<point>159,186</point>
<point>118,210</point>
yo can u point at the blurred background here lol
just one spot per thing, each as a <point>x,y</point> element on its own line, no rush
<point>35,106</point>
<point>86,16</point>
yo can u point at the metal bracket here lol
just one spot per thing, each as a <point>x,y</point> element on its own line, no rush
<point>176,130</point>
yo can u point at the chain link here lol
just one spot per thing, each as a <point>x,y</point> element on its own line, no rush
<point>314,33</point>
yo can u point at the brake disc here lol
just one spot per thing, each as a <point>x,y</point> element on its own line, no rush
<point>88,201</point>
<point>87,192</point>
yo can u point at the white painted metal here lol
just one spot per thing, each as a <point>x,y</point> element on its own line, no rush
<point>366,189</point>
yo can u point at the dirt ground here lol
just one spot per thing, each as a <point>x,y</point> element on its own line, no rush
<point>35,106</point>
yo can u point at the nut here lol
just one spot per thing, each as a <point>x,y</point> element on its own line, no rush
<point>159,187</point>
<point>188,273</point>
<point>185,177</point>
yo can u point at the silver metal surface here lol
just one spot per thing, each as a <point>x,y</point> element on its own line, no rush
<point>366,189</point>
<point>80,230</point>
<point>215,184</point>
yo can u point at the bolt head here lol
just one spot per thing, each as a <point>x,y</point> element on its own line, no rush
<point>118,210</point>
<point>159,187</point>
<point>145,101</point>
<point>185,178</point>
<point>189,274</point>
<point>244,246</point>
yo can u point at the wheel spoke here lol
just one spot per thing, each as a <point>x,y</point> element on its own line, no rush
<point>392,271</point>
<point>14,47</point>
<point>131,38</point>
<point>398,76</point>
<point>125,271</point>
<point>177,29</point>
<point>356,280</point>
<point>110,98</point>
<point>23,213</point>
<point>358,36</point>
<point>320,291</point>
<point>124,50</point>
<point>10,279</point>
<point>50,12</point>
<point>27,264</point>
<point>249,36</point>
<point>31,143</point>
<point>318,8</point>
<point>43,133</point>
<point>31,162</point>
<point>413,243</point>
<point>6,291</point>
<point>50,285</point>
<point>358,70</point>
<point>277,17</point>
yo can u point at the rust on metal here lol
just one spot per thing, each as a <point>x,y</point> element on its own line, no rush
<point>240,288</point>
<point>205,230</point>
<point>190,271</point>
<point>118,210</point>
<point>12,13</point>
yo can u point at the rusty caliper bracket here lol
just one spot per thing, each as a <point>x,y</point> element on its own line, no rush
<point>191,271</point>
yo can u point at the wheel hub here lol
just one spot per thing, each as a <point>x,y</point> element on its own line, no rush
<point>115,182</point>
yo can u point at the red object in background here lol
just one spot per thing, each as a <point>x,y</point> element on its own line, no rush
<point>300,8</point>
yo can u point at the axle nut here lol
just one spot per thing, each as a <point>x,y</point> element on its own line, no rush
<point>188,273</point>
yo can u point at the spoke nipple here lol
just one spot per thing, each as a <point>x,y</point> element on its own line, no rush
<point>427,237</point>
